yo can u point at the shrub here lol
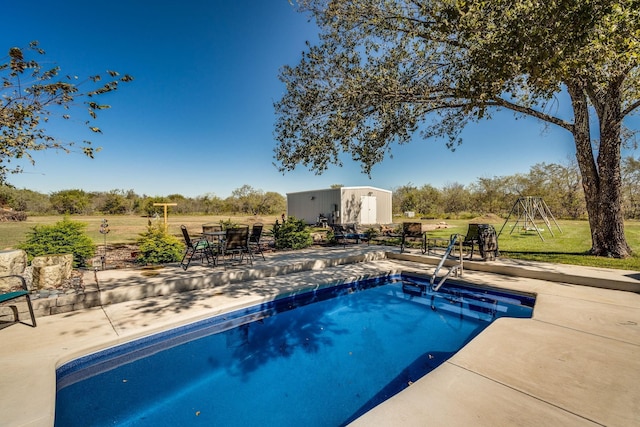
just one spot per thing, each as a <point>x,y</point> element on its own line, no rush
<point>228,224</point>
<point>292,234</point>
<point>63,237</point>
<point>156,246</point>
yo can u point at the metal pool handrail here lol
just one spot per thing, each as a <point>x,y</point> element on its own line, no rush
<point>457,269</point>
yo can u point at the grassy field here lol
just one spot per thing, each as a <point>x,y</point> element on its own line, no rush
<point>122,229</point>
<point>568,246</point>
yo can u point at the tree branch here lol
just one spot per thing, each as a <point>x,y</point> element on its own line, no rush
<point>630,108</point>
<point>531,112</point>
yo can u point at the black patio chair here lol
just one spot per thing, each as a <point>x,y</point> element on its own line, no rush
<point>236,243</point>
<point>254,239</point>
<point>413,231</point>
<point>196,247</point>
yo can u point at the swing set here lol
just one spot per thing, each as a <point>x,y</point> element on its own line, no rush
<point>528,209</point>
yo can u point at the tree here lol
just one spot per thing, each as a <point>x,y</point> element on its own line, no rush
<point>490,194</point>
<point>559,185</point>
<point>430,201</point>
<point>274,203</point>
<point>113,203</point>
<point>31,95</point>
<point>249,200</point>
<point>383,70</point>
<point>405,198</point>
<point>70,202</point>
<point>455,198</point>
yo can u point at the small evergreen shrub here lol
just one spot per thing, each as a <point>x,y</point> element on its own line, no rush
<point>63,237</point>
<point>293,234</point>
<point>156,246</point>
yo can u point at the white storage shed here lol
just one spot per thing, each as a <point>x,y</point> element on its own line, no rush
<point>344,205</point>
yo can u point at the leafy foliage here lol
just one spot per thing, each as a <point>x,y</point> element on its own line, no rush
<point>383,70</point>
<point>248,200</point>
<point>228,223</point>
<point>115,202</point>
<point>32,94</point>
<point>70,201</point>
<point>156,246</point>
<point>292,234</point>
<point>63,237</point>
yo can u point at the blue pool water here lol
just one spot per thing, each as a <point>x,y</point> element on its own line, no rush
<point>319,359</point>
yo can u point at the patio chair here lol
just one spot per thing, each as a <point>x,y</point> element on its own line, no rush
<point>349,231</point>
<point>484,237</point>
<point>237,243</point>
<point>339,233</point>
<point>354,233</point>
<point>471,239</point>
<point>198,247</point>
<point>413,231</point>
<point>10,296</point>
<point>213,234</point>
<point>254,239</point>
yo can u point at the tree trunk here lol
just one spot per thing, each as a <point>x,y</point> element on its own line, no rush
<point>601,182</point>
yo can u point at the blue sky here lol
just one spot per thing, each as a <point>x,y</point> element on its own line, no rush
<point>198,118</point>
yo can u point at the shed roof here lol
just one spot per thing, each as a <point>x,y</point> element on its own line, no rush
<point>342,188</point>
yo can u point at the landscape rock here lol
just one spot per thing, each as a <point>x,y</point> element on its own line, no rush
<point>49,271</point>
<point>12,262</point>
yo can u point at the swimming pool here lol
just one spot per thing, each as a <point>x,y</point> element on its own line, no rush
<point>321,358</point>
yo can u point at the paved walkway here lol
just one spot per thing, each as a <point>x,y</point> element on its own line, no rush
<point>576,362</point>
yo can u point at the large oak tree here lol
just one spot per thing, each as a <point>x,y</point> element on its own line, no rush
<point>32,94</point>
<point>384,69</point>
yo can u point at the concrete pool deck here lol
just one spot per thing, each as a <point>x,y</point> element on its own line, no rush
<point>576,362</point>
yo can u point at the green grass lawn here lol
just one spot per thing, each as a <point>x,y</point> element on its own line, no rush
<point>568,247</point>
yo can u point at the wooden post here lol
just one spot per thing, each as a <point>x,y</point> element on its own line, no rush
<point>166,225</point>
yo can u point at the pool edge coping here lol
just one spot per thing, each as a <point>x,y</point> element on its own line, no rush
<point>43,419</point>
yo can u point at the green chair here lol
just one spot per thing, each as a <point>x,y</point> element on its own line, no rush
<point>194,247</point>
<point>10,296</point>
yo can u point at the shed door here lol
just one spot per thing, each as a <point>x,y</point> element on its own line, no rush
<point>368,211</point>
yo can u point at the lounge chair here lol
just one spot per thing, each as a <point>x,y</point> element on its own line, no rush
<point>195,247</point>
<point>10,296</point>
